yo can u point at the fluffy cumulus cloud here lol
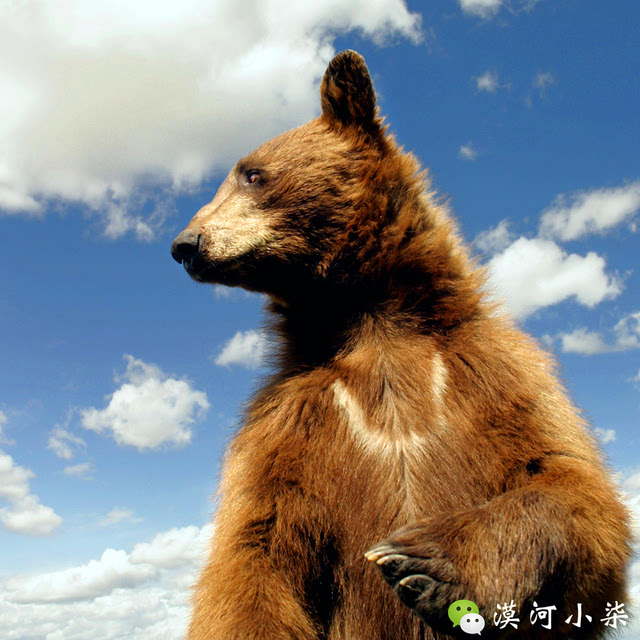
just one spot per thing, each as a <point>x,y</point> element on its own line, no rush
<point>105,104</point>
<point>142,595</point>
<point>149,613</point>
<point>30,517</point>
<point>592,211</point>
<point>96,578</point>
<point>535,273</point>
<point>247,349</point>
<point>532,273</point>
<point>25,514</point>
<point>171,549</point>
<point>624,336</point>
<point>149,410</point>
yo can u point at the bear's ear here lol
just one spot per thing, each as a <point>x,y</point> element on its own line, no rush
<point>347,93</point>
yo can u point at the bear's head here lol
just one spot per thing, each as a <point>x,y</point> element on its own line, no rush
<point>317,206</point>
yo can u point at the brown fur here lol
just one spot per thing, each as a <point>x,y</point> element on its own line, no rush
<point>403,402</point>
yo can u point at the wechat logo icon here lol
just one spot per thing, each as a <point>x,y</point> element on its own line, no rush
<point>466,614</point>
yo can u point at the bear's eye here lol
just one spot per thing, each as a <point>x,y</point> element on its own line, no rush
<point>252,176</point>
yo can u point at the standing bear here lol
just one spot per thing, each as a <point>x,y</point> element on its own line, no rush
<point>411,435</point>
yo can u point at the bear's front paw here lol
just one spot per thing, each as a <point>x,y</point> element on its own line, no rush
<point>422,575</point>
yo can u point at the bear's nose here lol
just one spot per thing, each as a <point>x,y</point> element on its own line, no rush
<point>185,247</point>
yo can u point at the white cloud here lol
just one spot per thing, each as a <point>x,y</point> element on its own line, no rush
<point>97,578</point>
<point>14,480</point>
<point>605,435</point>
<point>139,596</point>
<point>490,8</point>
<point>113,106</point>
<point>149,410</point>
<point>495,239</point>
<point>536,273</point>
<point>627,331</point>
<point>117,515</point>
<point>481,8</point>
<point>586,212</point>
<point>148,613</point>
<point>82,470</point>
<point>583,341</point>
<point>626,336</point>
<point>532,273</point>
<point>245,348</point>
<point>171,549</point>
<point>488,82</point>
<point>63,442</point>
<point>25,515</point>
<point>467,152</point>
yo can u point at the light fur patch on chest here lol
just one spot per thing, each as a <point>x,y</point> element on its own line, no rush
<point>372,436</point>
<point>397,425</point>
<point>439,377</point>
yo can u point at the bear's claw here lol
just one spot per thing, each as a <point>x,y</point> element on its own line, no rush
<point>428,585</point>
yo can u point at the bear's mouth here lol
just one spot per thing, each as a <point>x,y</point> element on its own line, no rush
<point>226,272</point>
<point>195,266</point>
<point>199,269</point>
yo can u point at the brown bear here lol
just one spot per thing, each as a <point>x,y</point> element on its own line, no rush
<point>409,427</point>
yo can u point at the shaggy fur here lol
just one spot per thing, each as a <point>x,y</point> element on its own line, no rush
<point>405,409</point>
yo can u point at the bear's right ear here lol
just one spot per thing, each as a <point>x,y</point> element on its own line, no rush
<point>347,93</point>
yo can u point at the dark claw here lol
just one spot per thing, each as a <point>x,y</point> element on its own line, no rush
<point>426,585</point>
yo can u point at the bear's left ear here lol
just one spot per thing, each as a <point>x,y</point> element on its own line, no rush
<point>347,93</point>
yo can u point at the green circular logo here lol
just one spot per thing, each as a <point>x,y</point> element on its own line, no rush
<point>461,608</point>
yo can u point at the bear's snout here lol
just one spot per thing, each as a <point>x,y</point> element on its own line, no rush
<point>185,247</point>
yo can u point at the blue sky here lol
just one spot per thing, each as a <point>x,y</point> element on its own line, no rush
<point>123,379</point>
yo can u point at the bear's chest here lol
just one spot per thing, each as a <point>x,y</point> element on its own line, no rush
<point>337,451</point>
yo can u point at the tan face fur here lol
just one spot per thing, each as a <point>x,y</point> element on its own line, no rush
<point>231,225</point>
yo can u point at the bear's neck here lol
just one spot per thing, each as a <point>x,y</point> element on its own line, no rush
<point>427,295</point>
